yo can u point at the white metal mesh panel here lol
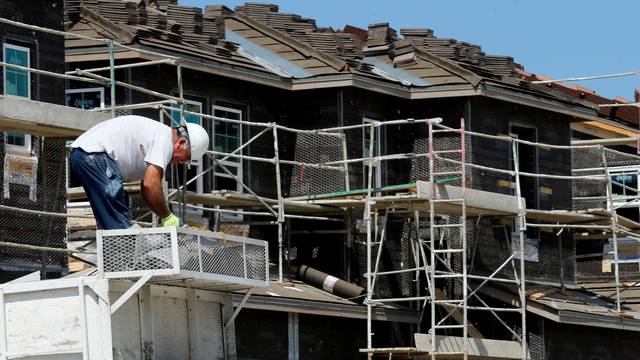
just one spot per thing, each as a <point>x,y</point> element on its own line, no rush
<point>128,252</point>
<point>184,257</point>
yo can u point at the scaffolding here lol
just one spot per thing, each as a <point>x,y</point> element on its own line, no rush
<point>444,198</point>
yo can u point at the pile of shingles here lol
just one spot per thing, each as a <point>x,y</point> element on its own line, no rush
<point>341,44</point>
<point>190,20</point>
<point>470,54</point>
<point>442,47</point>
<point>119,11</point>
<point>304,29</point>
<point>257,11</point>
<point>455,50</point>
<point>161,4</point>
<point>380,34</point>
<point>213,22</point>
<point>292,24</point>
<point>500,65</point>
<point>400,47</point>
<point>72,8</point>
<point>222,49</point>
<point>361,34</point>
<point>416,33</point>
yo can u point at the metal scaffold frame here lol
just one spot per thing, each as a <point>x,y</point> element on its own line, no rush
<point>431,259</point>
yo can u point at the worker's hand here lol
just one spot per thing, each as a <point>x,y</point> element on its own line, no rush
<point>170,220</point>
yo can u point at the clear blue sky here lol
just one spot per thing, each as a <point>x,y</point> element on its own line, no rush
<point>558,38</point>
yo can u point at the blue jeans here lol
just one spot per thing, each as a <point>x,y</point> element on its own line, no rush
<point>101,179</point>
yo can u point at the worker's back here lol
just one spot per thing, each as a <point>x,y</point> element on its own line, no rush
<point>131,141</point>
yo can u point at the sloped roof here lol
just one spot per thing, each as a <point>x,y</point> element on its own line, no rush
<point>262,45</point>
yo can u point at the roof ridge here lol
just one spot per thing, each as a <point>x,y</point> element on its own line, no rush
<point>120,33</point>
<point>466,74</point>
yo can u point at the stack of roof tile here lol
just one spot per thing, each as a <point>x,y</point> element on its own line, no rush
<point>293,24</point>
<point>443,47</point>
<point>470,54</point>
<point>500,65</point>
<point>416,33</point>
<point>118,11</point>
<point>257,11</point>
<point>361,34</point>
<point>213,22</point>
<point>73,8</point>
<point>217,10</point>
<point>380,34</point>
<point>341,44</point>
<point>191,21</point>
<point>162,4</point>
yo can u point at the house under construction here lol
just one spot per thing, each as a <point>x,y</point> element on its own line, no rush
<point>366,195</point>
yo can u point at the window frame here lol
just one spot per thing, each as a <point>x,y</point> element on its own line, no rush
<point>625,203</point>
<point>238,164</point>
<point>84,90</point>
<point>12,148</point>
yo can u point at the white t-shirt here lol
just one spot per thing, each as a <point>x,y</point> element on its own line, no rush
<point>131,141</point>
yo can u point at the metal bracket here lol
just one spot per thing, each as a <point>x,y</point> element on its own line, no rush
<point>240,306</point>
<point>132,290</point>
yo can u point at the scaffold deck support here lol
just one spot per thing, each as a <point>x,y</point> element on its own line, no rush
<point>448,249</point>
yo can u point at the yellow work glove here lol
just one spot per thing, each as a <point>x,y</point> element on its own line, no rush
<point>170,220</point>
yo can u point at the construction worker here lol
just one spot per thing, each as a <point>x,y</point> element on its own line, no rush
<point>131,148</point>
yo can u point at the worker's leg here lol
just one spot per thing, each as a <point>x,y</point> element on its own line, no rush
<point>102,182</point>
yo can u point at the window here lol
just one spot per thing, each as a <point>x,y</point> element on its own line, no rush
<point>227,137</point>
<point>17,83</point>
<point>87,98</point>
<point>189,105</point>
<point>624,182</point>
<point>624,187</point>
<point>366,142</point>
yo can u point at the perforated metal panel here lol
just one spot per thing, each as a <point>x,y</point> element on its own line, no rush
<point>183,257</point>
<point>317,148</point>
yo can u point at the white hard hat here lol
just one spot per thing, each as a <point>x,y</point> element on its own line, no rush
<point>198,140</point>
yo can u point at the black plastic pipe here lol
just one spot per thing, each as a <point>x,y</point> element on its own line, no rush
<point>331,284</point>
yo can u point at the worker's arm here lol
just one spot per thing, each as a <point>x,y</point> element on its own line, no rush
<point>152,193</point>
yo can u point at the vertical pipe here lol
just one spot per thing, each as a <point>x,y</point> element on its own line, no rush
<point>45,199</point>
<point>3,327</point>
<point>463,232</point>
<point>367,218</point>
<point>614,226</point>
<point>83,320</point>
<point>348,224</point>
<point>244,258</point>
<point>345,157</point>
<point>183,198</point>
<point>522,229</point>
<point>112,74</point>
<point>276,158</point>
<point>200,264</point>
<point>560,252</point>
<point>432,243</point>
